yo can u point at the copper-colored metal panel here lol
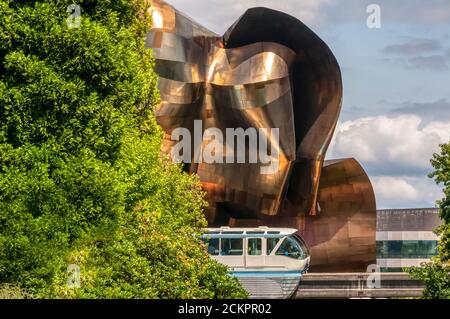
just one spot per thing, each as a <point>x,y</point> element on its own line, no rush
<point>342,236</point>
<point>269,70</point>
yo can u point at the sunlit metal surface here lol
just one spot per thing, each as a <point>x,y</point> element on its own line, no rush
<point>269,70</point>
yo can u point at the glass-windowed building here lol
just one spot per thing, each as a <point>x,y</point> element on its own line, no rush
<point>405,237</point>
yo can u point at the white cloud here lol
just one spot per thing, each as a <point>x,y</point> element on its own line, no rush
<point>396,152</point>
<point>405,191</point>
<point>389,187</point>
<point>387,144</point>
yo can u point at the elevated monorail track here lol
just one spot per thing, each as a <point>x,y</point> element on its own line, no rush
<point>355,285</point>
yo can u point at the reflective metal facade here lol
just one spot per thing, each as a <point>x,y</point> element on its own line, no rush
<point>268,70</point>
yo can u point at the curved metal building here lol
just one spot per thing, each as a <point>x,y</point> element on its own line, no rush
<point>268,70</point>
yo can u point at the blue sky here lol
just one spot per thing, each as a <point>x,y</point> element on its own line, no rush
<point>396,108</point>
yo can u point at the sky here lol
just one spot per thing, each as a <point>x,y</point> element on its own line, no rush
<point>396,107</point>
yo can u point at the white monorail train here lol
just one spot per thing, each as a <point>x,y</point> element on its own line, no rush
<point>268,262</point>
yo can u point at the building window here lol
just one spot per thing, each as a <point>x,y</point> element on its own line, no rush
<point>391,269</point>
<point>406,249</point>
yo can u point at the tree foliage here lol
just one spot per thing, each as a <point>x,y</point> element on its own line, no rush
<point>8,291</point>
<point>437,273</point>
<point>81,178</point>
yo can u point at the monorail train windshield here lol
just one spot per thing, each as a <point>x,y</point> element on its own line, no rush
<point>292,247</point>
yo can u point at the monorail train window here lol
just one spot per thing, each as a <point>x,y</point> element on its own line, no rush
<point>232,247</point>
<point>290,248</point>
<point>271,243</point>
<point>254,246</point>
<point>212,245</point>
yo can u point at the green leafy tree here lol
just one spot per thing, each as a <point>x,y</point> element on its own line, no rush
<point>13,292</point>
<point>436,274</point>
<point>81,177</point>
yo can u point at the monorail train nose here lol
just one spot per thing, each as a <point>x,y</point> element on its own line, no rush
<point>268,262</point>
